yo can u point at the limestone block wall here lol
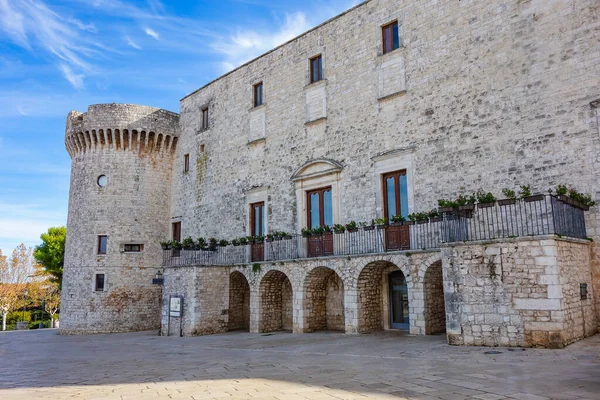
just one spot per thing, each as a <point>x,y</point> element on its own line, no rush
<point>133,147</point>
<point>517,292</point>
<point>477,96</point>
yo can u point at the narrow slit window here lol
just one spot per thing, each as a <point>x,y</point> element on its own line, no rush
<point>205,118</point>
<point>102,244</point>
<point>258,94</point>
<point>316,69</point>
<point>99,284</point>
<point>186,163</point>
<point>133,248</point>
<point>390,37</point>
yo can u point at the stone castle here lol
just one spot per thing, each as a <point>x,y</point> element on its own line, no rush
<point>315,166</point>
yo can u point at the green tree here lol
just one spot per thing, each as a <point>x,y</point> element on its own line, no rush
<point>51,253</point>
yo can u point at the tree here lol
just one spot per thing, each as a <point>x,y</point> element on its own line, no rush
<point>15,276</point>
<point>52,301</point>
<point>51,253</point>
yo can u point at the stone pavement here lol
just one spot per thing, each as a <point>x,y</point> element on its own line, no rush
<point>324,365</point>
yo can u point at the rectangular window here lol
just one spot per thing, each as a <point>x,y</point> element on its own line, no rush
<point>177,231</point>
<point>390,38</point>
<point>133,248</point>
<point>186,163</point>
<point>258,94</point>
<point>316,69</point>
<point>395,194</point>
<point>205,118</point>
<point>102,243</point>
<point>257,219</point>
<point>99,283</point>
<point>320,208</point>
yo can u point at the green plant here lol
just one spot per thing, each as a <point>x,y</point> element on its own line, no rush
<point>561,190</point>
<point>584,199</point>
<point>235,242</point>
<point>317,231</point>
<point>447,203</point>
<point>326,229</point>
<point>188,242</point>
<point>351,226</point>
<point>201,243</point>
<point>398,218</point>
<point>339,228</point>
<point>165,244</point>
<point>525,191</point>
<point>422,216</point>
<point>243,241</point>
<point>223,243</point>
<point>463,200</point>
<point>175,244</point>
<point>256,268</point>
<point>380,221</point>
<point>270,237</point>
<point>259,239</point>
<point>434,213</point>
<point>509,194</point>
<point>483,197</point>
<point>306,232</point>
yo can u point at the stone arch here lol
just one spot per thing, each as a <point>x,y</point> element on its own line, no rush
<point>323,301</point>
<point>239,302</point>
<point>434,308</point>
<point>276,302</point>
<point>316,168</point>
<point>373,295</point>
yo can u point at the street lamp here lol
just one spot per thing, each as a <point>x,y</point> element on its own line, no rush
<point>158,278</point>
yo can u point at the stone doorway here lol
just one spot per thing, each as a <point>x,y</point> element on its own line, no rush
<point>435,310</point>
<point>276,306</point>
<point>324,301</point>
<point>239,302</point>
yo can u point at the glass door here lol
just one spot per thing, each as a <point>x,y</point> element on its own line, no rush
<point>320,213</point>
<point>395,202</point>
<point>398,301</point>
<point>257,228</point>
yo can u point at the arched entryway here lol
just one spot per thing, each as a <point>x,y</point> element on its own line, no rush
<point>435,310</point>
<point>276,307</point>
<point>239,302</point>
<point>324,301</point>
<point>375,308</point>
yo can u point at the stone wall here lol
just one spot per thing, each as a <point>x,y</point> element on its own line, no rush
<point>517,292</point>
<point>239,302</point>
<point>479,95</point>
<point>433,293</point>
<point>133,147</point>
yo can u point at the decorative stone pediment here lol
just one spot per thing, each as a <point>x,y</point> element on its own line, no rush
<point>317,168</point>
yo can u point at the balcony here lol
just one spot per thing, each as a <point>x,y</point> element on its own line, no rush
<point>533,216</point>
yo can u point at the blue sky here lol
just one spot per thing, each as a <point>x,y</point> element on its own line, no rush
<point>62,55</point>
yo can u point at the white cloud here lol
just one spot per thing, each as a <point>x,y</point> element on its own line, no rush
<point>150,32</point>
<point>248,44</point>
<point>75,79</point>
<point>131,43</point>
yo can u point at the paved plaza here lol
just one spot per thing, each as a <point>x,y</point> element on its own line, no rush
<point>326,365</point>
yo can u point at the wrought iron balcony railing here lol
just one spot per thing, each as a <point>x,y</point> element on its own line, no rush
<point>533,216</point>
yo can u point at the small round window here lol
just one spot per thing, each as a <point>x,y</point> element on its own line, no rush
<point>102,180</point>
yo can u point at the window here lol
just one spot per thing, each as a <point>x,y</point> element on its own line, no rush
<point>102,243</point>
<point>395,194</point>
<point>258,94</point>
<point>99,284</point>
<point>186,163</point>
<point>390,38</point>
<point>177,231</point>
<point>316,69</point>
<point>320,209</point>
<point>201,148</point>
<point>133,248</point>
<point>257,219</point>
<point>205,118</point>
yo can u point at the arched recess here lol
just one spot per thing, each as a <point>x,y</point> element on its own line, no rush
<point>276,305</point>
<point>324,301</point>
<point>374,308</point>
<point>434,307</point>
<point>239,302</point>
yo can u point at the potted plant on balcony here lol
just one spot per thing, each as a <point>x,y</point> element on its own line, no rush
<point>251,239</point>
<point>397,220</point>
<point>175,245</point>
<point>447,206</point>
<point>525,194</point>
<point>580,200</point>
<point>188,243</point>
<point>466,203</point>
<point>166,245</point>
<point>339,228</point>
<point>366,226</point>
<point>306,232</point>
<point>235,242</point>
<point>223,243</point>
<point>434,216</point>
<point>270,237</point>
<point>317,231</point>
<point>412,219</point>
<point>285,235</point>
<point>380,223</point>
<point>201,244</point>
<point>352,226</point>
<point>511,197</point>
<point>485,200</point>
<point>326,229</point>
<point>422,217</point>
<point>243,240</point>
<point>212,244</point>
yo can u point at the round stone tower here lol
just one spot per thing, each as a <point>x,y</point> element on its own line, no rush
<point>119,202</point>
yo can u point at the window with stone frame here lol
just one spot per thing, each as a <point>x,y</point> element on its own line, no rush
<point>258,94</point>
<point>102,244</point>
<point>186,163</point>
<point>204,124</point>
<point>99,282</point>
<point>316,69</point>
